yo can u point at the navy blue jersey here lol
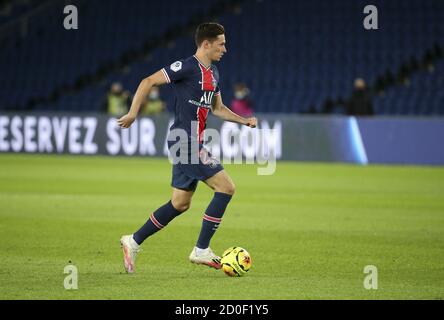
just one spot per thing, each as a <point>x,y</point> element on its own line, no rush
<point>195,87</point>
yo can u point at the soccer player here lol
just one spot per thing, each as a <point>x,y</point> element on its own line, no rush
<point>196,84</point>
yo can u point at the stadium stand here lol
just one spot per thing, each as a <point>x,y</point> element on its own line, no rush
<point>51,56</point>
<point>288,62</point>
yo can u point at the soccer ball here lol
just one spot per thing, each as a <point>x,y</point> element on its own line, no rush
<point>236,262</point>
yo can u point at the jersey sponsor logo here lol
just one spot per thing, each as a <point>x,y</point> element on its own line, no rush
<point>207,98</point>
<point>176,66</point>
<point>206,101</point>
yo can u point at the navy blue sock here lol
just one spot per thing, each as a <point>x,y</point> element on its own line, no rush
<point>158,220</point>
<point>212,218</point>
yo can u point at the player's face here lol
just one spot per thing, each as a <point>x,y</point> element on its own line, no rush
<point>217,48</point>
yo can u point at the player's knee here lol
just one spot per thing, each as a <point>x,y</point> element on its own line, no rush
<point>230,188</point>
<point>181,206</point>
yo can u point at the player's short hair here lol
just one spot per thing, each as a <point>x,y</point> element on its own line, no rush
<point>208,31</point>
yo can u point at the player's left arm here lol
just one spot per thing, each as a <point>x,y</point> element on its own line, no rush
<point>222,111</point>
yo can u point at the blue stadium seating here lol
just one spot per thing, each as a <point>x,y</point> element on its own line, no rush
<point>53,56</point>
<point>292,54</point>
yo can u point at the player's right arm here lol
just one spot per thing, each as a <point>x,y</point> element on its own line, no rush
<point>156,79</point>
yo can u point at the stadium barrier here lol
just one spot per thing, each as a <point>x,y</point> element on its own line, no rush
<point>291,137</point>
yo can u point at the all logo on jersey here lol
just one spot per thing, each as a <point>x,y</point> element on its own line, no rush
<point>176,66</point>
<point>207,99</point>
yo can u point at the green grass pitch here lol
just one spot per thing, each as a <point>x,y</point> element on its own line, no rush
<point>310,228</point>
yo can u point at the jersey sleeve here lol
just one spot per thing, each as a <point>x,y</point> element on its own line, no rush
<point>217,91</point>
<point>176,71</point>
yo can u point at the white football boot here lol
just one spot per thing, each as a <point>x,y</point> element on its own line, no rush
<point>206,257</point>
<point>130,250</point>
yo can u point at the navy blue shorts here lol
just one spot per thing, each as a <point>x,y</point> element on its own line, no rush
<point>187,176</point>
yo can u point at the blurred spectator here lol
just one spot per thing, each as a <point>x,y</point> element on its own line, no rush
<point>403,75</point>
<point>328,106</point>
<point>117,100</point>
<point>333,106</point>
<point>383,82</point>
<point>439,53</point>
<point>311,109</point>
<point>153,104</point>
<point>413,64</point>
<point>241,104</point>
<point>360,103</point>
<point>427,62</point>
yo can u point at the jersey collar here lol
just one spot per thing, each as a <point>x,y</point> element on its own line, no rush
<point>200,62</point>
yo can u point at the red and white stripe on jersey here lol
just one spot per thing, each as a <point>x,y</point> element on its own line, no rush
<point>207,78</point>
<point>155,222</point>
<point>167,78</point>
<point>212,219</point>
<point>202,114</point>
<point>207,84</point>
